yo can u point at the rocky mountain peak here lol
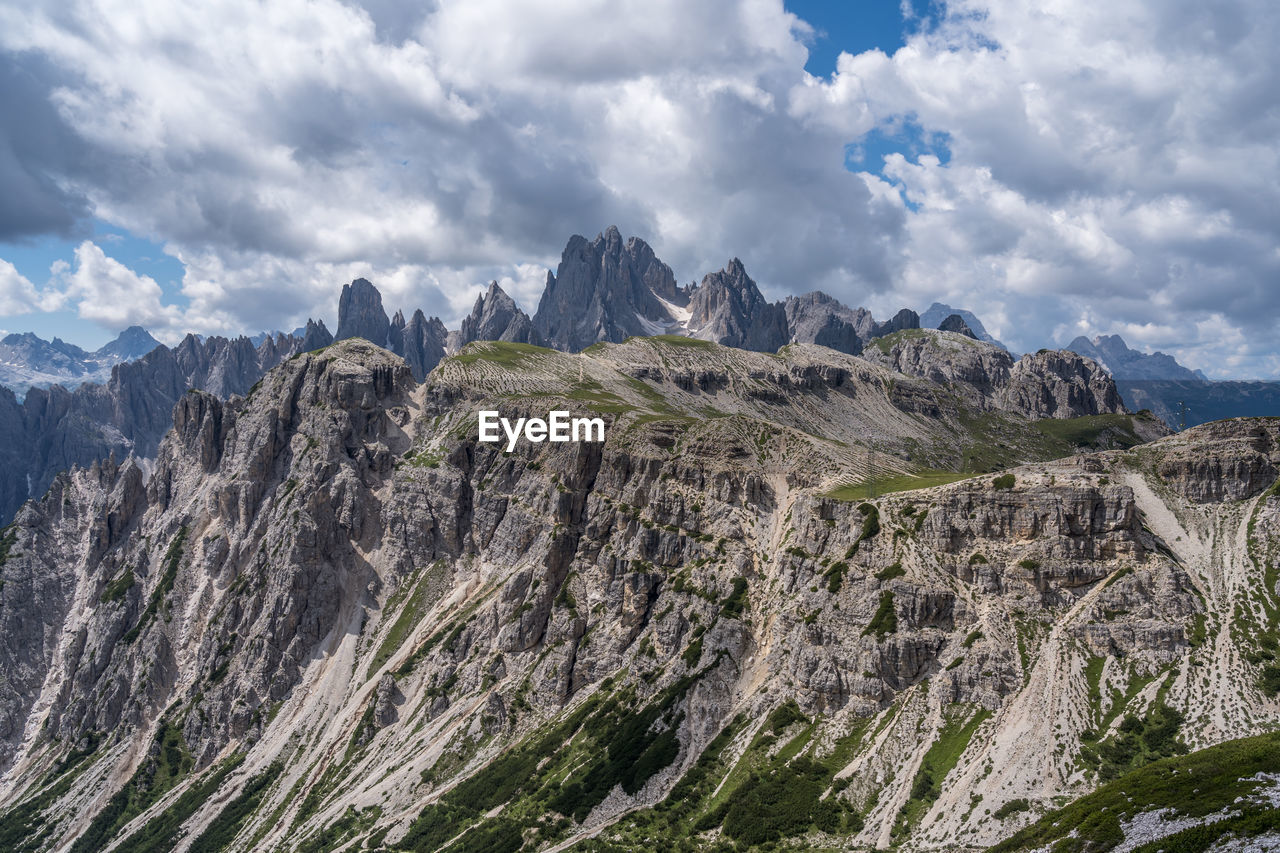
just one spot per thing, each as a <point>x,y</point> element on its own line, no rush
<point>315,336</point>
<point>360,313</point>
<point>728,307</point>
<point>605,290</point>
<point>821,319</point>
<point>1122,362</point>
<point>932,317</point>
<point>133,342</point>
<point>955,323</point>
<point>904,319</point>
<point>495,317</point>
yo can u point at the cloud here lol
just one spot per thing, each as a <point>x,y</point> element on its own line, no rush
<point>106,292</point>
<point>38,153</point>
<point>17,295</point>
<point>1113,164</point>
<point>473,139</point>
<point>1107,162</point>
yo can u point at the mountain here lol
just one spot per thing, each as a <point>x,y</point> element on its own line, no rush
<point>327,616</point>
<point>816,318</point>
<point>1183,403</point>
<point>955,323</point>
<point>1048,384</point>
<point>28,361</point>
<point>1123,363</point>
<point>607,290</point>
<point>360,313</point>
<point>728,308</point>
<point>53,429</point>
<point>936,313</point>
<point>495,317</point>
<point>1179,396</point>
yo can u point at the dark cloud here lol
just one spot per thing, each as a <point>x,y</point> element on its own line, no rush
<point>39,153</point>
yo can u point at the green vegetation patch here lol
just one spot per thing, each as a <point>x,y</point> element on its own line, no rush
<point>506,353</point>
<point>420,595</point>
<point>925,478</point>
<point>152,780</point>
<point>940,760</point>
<point>1138,741</point>
<point>24,828</point>
<point>227,825</point>
<point>1004,482</point>
<point>681,341</point>
<point>1094,432</point>
<point>885,620</point>
<point>890,572</point>
<point>736,601</point>
<point>1194,786</point>
<point>116,589</point>
<point>567,770</point>
<point>159,834</point>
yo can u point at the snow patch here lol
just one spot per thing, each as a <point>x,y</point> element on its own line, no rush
<point>680,315</point>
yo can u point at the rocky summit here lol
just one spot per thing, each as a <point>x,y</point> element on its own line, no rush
<point>780,606</point>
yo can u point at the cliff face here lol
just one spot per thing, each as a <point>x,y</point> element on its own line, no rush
<point>606,290</point>
<point>1047,384</point>
<point>329,613</point>
<point>53,429</point>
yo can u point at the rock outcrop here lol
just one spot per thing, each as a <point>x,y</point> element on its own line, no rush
<point>816,318</point>
<point>606,290</point>
<point>955,323</point>
<point>1047,384</point>
<point>1060,384</point>
<point>495,317</point>
<point>361,315</point>
<point>728,308</point>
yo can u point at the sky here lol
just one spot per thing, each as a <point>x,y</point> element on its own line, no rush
<point>1060,168</point>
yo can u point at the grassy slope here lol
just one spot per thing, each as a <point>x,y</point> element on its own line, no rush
<point>1194,785</point>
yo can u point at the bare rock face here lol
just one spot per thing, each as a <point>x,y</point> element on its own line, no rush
<point>495,317</point>
<point>955,323</point>
<point>1048,384</point>
<point>606,290</point>
<point>420,342</point>
<point>817,318</point>
<point>976,370</point>
<point>360,313</point>
<point>1224,461</point>
<point>54,429</point>
<point>1060,384</point>
<point>315,336</point>
<point>728,308</point>
<point>903,320</point>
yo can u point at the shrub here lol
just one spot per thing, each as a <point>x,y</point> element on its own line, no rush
<point>885,620</point>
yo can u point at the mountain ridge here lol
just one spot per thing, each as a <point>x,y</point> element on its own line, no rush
<point>588,641</point>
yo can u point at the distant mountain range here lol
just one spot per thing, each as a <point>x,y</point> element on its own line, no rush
<point>28,361</point>
<point>1124,363</point>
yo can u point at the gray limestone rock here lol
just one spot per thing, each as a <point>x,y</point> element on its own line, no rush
<point>820,319</point>
<point>495,317</point>
<point>360,313</point>
<point>606,290</point>
<point>728,308</point>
